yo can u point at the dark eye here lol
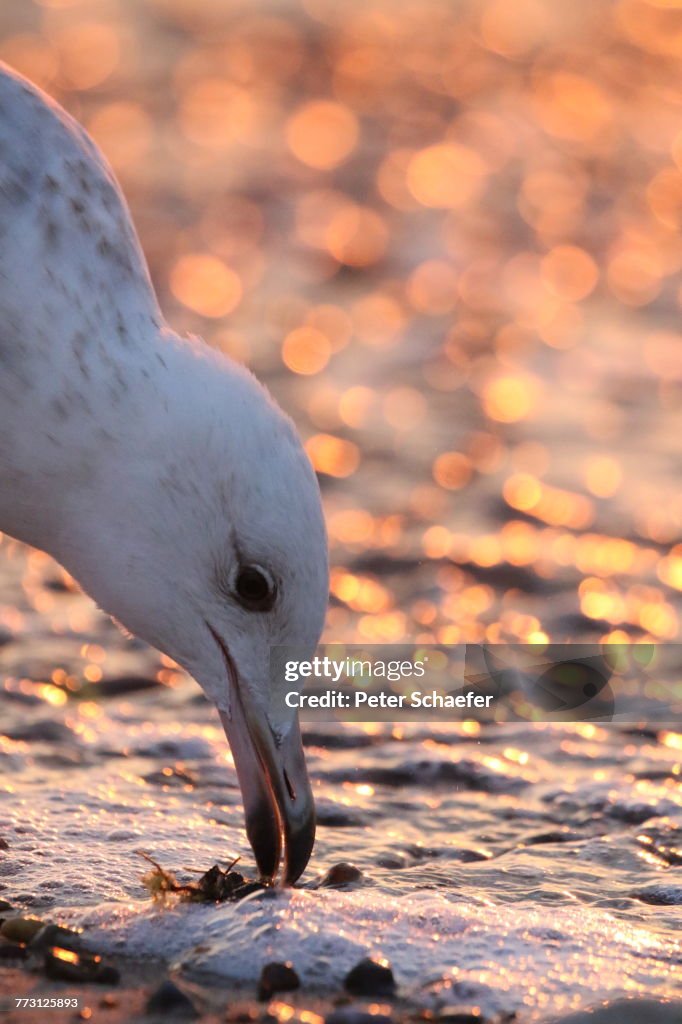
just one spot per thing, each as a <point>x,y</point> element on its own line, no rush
<point>255,589</point>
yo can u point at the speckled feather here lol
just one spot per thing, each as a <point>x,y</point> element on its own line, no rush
<point>70,264</point>
<point>148,464</point>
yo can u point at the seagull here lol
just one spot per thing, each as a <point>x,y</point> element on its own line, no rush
<point>158,472</point>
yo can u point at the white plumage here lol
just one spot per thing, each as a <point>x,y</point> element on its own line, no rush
<point>156,470</point>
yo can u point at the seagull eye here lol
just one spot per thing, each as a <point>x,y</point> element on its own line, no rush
<point>255,589</point>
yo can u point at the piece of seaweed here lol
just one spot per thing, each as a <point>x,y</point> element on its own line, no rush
<point>214,886</point>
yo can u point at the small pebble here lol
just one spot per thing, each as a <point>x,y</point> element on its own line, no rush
<point>5,906</point>
<point>64,965</point>
<point>341,874</point>
<point>20,929</point>
<point>55,935</point>
<point>12,951</point>
<point>168,998</point>
<point>277,977</point>
<point>370,977</point>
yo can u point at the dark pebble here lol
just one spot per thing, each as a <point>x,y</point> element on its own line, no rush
<point>81,969</point>
<point>339,817</point>
<point>391,861</point>
<point>56,935</point>
<point>4,845</point>
<point>660,895</point>
<point>20,929</point>
<point>370,978</point>
<point>11,951</point>
<point>168,998</point>
<point>341,874</point>
<point>277,977</point>
<point>356,1015</point>
<point>5,906</point>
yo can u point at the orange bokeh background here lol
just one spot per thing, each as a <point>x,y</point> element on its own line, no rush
<point>449,236</point>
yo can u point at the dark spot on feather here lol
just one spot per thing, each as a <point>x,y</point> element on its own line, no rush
<point>51,233</point>
<point>61,408</point>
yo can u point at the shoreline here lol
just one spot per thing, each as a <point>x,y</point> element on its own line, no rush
<point>130,1001</point>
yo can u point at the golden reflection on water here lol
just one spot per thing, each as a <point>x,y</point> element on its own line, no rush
<point>449,237</point>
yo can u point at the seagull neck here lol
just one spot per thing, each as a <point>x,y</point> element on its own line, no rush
<point>89,441</point>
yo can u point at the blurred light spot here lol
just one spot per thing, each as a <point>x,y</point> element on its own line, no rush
<point>432,287</point>
<point>205,284</point>
<point>123,130</point>
<point>670,568</point>
<point>88,53</point>
<point>306,350</point>
<point>510,398</point>
<point>664,196</point>
<point>550,504</point>
<point>513,29</point>
<point>634,276</point>
<point>315,211</point>
<point>485,551</point>
<point>362,593</point>
<point>333,322</point>
<point>552,202</point>
<point>355,405</point>
<point>378,319</point>
<point>445,175</point>
<point>603,475</point>
<point>572,106</point>
<point>452,470</point>
<point>392,180</point>
<point>485,451</point>
<point>215,113</point>
<point>404,408</point>
<point>356,236</point>
<point>351,526</point>
<point>31,55</point>
<point>663,354</point>
<point>332,455</point>
<point>570,272</point>
<point>436,542</point>
<point>322,134</point>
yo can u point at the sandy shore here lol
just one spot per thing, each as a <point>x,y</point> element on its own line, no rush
<point>129,1003</point>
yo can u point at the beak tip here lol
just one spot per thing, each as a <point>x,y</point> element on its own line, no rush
<point>298,848</point>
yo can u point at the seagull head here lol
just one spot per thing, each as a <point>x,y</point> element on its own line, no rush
<point>207,540</point>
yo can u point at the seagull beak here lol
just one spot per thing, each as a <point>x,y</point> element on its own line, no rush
<point>278,800</point>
